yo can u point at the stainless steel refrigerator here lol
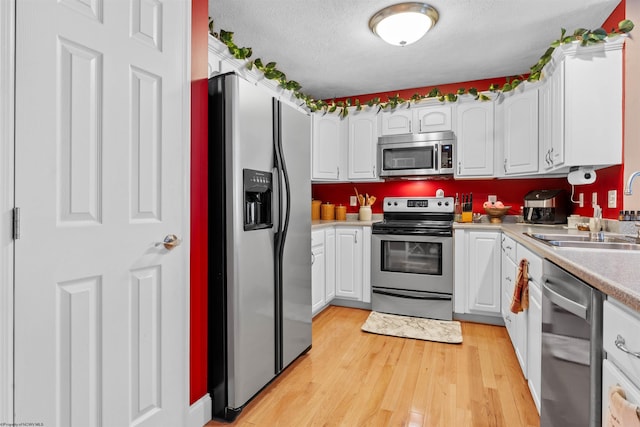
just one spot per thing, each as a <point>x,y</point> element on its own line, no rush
<point>260,240</point>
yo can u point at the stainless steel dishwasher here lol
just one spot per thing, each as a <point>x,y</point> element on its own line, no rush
<point>571,350</point>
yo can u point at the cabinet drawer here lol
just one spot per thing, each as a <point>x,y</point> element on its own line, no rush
<point>535,263</point>
<point>509,247</point>
<point>317,238</point>
<point>619,321</point>
<point>612,376</point>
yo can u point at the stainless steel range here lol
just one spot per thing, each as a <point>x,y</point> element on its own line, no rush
<point>412,257</point>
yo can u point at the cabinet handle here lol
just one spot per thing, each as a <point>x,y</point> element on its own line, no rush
<point>313,258</point>
<point>459,166</point>
<point>338,171</point>
<point>355,240</point>
<point>373,170</point>
<point>551,156</point>
<point>508,278</point>
<point>620,344</point>
<point>505,165</point>
<point>409,126</point>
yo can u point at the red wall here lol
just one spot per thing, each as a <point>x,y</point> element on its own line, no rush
<point>199,200</point>
<point>510,191</point>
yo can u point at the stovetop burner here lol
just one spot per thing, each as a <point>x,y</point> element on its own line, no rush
<point>416,215</point>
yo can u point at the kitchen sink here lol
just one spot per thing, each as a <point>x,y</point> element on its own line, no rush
<point>588,241</point>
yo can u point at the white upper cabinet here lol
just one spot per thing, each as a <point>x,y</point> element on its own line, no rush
<point>474,128</point>
<point>517,131</point>
<point>363,142</point>
<point>329,145</point>
<point>581,122</point>
<point>401,120</point>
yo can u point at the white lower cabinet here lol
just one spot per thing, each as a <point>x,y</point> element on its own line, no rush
<point>477,272</point>
<point>516,323</point>
<point>621,342</point>
<point>318,269</point>
<point>330,263</point>
<point>534,323</point>
<point>353,253</point>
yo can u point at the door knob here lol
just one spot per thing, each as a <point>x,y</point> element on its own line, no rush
<point>171,241</point>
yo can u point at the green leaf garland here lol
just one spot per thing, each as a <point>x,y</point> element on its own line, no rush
<point>270,71</point>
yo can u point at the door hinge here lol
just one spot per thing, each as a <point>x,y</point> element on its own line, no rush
<point>16,223</point>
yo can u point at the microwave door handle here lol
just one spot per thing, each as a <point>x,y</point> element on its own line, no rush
<point>436,151</point>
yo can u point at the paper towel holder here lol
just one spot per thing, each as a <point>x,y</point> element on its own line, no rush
<point>581,175</point>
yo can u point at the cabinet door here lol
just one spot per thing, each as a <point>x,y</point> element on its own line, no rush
<point>433,119</point>
<point>520,132</point>
<point>544,126</point>
<point>483,294</point>
<point>349,263</point>
<point>396,122</point>
<point>474,139</point>
<point>330,264</point>
<point>363,141</point>
<point>327,145</point>
<point>534,347</point>
<point>317,279</point>
<point>557,117</point>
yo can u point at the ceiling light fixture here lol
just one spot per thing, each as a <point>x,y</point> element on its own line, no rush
<point>404,23</point>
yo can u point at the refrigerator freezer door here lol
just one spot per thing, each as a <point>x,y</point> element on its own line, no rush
<point>250,254</point>
<point>295,136</point>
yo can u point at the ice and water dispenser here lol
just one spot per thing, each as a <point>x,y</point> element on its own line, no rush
<point>257,199</point>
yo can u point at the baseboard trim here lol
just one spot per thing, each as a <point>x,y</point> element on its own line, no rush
<point>200,412</point>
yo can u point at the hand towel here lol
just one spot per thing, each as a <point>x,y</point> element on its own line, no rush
<point>520,300</point>
<point>621,412</point>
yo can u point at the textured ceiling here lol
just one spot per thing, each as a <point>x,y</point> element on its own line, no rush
<point>327,47</point>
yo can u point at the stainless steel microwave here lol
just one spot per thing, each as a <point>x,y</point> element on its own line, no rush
<point>416,154</point>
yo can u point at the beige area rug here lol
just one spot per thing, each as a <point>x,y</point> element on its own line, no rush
<point>413,327</point>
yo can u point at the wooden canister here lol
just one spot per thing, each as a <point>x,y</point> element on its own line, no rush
<point>315,209</point>
<point>341,213</point>
<point>328,212</point>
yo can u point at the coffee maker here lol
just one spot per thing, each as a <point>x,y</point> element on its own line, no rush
<point>546,207</point>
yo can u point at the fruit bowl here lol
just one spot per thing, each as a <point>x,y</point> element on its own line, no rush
<point>496,214</point>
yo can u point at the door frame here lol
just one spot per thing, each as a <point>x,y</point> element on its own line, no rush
<point>7,198</point>
<point>7,86</point>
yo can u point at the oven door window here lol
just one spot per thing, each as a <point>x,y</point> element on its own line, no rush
<point>412,257</point>
<point>397,159</point>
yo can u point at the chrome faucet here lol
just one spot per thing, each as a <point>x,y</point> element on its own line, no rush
<point>627,190</point>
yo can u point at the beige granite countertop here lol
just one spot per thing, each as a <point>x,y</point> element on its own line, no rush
<point>352,221</point>
<point>614,272</point>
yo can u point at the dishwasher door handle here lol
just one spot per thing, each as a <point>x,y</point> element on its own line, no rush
<point>564,302</point>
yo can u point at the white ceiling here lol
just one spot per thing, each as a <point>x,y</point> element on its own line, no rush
<point>327,47</point>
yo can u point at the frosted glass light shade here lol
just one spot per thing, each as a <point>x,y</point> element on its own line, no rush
<point>404,23</point>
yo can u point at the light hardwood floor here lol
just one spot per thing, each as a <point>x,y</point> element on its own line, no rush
<point>353,378</point>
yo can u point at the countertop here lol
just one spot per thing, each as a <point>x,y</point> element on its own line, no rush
<point>352,221</point>
<point>614,272</point>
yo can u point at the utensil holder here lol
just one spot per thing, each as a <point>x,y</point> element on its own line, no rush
<point>364,214</point>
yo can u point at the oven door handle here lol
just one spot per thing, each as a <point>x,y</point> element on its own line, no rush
<point>428,296</point>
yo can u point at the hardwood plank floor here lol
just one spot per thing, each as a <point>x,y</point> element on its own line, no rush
<point>353,378</point>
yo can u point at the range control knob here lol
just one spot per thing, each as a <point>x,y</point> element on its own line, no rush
<point>439,203</point>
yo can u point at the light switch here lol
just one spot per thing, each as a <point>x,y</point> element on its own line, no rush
<point>581,200</point>
<point>594,199</point>
<point>353,201</point>
<point>612,199</point>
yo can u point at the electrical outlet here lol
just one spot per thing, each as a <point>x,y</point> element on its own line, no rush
<point>612,199</point>
<point>581,200</point>
<point>353,201</point>
<point>594,199</point>
<point>493,198</point>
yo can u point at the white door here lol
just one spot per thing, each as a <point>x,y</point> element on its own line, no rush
<point>101,177</point>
